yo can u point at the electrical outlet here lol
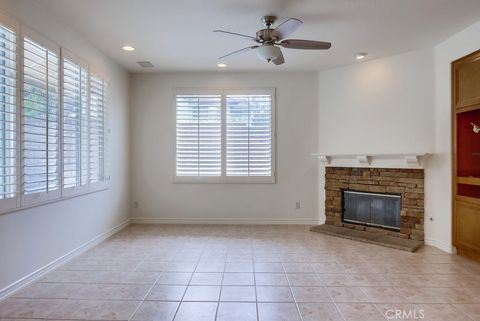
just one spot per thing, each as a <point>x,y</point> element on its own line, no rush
<point>135,204</point>
<point>297,205</point>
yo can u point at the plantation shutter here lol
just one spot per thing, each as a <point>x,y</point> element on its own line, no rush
<point>249,135</point>
<point>40,121</point>
<point>199,135</point>
<point>8,117</point>
<point>97,129</point>
<point>53,133</point>
<point>75,125</point>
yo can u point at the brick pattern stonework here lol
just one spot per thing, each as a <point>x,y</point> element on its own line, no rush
<point>407,182</point>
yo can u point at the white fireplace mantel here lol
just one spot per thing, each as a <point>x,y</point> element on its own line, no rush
<point>407,160</point>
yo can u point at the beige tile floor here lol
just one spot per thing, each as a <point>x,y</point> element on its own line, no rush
<point>250,273</point>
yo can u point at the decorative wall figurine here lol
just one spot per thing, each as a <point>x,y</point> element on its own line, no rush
<point>476,128</point>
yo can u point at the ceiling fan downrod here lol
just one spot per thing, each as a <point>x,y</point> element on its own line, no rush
<point>268,21</point>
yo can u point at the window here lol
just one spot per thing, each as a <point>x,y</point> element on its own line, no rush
<point>40,137</point>
<point>225,136</point>
<point>84,127</point>
<point>8,117</point>
<point>53,121</point>
<point>75,125</point>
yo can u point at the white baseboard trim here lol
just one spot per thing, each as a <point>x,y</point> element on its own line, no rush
<point>441,245</point>
<point>248,221</point>
<point>17,285</point>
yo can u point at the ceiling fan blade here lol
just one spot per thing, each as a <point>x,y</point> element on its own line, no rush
<point>305,44</point>
<point>238,52</point>
<point>286,28</point>
<point>235,34</point>
<point>279,60</point>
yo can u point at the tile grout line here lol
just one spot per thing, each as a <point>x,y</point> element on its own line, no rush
<point>291,291</point>
<point>145,296</point>
<point>221,286</point>
<point>186,288</point>
<point>333,301</point>
<point>377,309</point>
<point>374,304</point>
<point>255,284</point>
<point>464,313</point>
<point>160,273</point>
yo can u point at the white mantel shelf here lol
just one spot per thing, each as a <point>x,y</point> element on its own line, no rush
<point>413,160</point>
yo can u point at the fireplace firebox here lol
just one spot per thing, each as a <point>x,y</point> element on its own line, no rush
<point>372,209</point>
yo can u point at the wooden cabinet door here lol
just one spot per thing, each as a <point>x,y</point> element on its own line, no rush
<point>467,224</point>
<point>466,81</point>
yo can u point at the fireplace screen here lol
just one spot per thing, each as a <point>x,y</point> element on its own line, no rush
<point>375,209</point>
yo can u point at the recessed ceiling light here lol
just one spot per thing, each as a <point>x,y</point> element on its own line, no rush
<point>361,55</point>
<point>128,48</point>
<point>221,65</point>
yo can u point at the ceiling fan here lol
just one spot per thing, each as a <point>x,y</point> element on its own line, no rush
<point>268,40</point>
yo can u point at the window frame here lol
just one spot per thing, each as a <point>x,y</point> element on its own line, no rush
<point>22,201</point>
<point>223,178</point>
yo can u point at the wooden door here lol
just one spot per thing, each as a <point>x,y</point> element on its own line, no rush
<point>466,155</point>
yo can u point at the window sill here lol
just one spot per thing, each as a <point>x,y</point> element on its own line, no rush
<point>224,180</point>
<point>46,200</point>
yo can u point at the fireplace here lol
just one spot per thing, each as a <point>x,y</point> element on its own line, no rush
<point>372,209</point>
<point>384,200</point>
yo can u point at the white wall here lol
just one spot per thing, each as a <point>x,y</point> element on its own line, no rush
<point>439,179</point>
<point>153,136</point>
<point>30,239</point>
<point>378,106</point>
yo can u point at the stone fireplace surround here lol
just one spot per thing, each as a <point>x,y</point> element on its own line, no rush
<point>407,182</point>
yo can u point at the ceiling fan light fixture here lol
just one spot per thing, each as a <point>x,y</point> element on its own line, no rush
<point>268,52</point>
<point>221,65</point>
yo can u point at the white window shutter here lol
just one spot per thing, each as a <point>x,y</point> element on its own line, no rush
<point>249,149</point>
<point>106,134</point>
<point>40,138</point>
<point>198,135</point>
<point>8,118</point>
<point>75,124</point>
<point>97,130</point>
<point>85,118</point>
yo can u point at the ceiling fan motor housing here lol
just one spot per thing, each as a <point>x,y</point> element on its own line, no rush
<point>265,36</point>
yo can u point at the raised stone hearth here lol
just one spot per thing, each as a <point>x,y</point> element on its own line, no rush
<point>409,183</point>
<point>369,237</point>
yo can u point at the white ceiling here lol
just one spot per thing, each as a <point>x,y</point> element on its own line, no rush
<point>176,35</point>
